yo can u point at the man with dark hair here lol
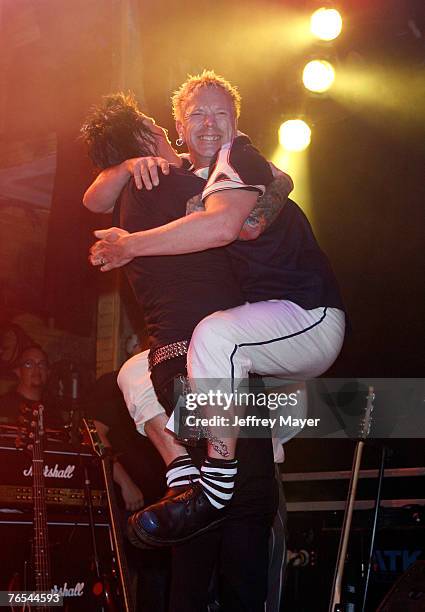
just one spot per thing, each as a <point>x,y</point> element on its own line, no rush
<point>117,131</point>
<point>176,293</point>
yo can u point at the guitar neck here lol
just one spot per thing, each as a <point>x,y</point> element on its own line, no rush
<point>336,592</point>
<point>41,538</point>
<point>118,540</point>
<point>117,534</point>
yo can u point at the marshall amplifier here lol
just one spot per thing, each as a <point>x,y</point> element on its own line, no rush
<point>71,556</point>
<point>63,466</point>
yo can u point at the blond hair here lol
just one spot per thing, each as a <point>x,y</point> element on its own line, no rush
<point>208,78</point>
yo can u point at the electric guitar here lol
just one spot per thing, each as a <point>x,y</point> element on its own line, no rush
<point>335,600</point>
<point>121,561</point>
<point>33,426</point>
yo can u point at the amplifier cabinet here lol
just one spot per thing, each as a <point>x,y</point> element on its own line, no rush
<point>70,552</point>
<point>63,467</point>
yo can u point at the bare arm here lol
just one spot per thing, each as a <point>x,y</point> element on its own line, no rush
<point>102,194</point>
<point>219,224</point>
<point>132,495</point>
<point>265,211</point>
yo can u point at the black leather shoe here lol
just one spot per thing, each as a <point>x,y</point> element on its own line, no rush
<point>174,520</point>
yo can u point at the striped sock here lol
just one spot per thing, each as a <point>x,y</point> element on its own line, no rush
<point>218,480</point>
<point>182,471</point>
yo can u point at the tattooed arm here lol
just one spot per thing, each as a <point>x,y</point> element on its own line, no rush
<point>264,212</point>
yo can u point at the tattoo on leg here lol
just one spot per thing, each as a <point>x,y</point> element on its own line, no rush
<point>218,445</point>
<point>197,432</point>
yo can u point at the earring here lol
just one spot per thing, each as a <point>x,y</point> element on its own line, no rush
<point>180,141</point>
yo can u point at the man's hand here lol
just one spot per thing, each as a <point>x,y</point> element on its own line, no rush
<point>111,250</point>
<point>145,170</point>
<point>102,194</point>
<point>132,496</point>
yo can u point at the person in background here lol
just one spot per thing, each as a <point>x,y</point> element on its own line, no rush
<point>32,372</point>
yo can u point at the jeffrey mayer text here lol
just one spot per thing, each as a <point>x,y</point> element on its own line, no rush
<point>250,421</point>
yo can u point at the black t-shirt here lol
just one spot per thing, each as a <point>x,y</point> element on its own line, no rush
<point>285,262</point>
<point>12,404</point>
<point>175,292</point>
<point>134,451</point>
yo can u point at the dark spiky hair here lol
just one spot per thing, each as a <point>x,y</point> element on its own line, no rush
<point>115,131</point>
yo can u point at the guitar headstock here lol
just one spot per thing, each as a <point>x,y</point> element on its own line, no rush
<point>31,427</point>
<point>98,446</point>
<point>366,422</point>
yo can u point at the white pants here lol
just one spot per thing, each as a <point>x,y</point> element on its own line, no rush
<point>134,380</point>
<point>275,338</point>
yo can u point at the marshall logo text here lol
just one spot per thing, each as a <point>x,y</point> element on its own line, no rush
<point>54,472</point>
<point>68,591</point>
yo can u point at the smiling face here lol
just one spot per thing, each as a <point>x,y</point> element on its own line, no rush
<point>209,121</point>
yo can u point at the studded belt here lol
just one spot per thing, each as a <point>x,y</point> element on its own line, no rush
<point>169,351</point>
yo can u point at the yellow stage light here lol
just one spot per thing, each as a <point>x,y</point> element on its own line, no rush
<point>326,23</point>
<point>294,135</point>
<point>318,76</point>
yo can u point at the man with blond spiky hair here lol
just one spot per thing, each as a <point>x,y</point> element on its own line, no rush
<point>205,79</point>
<point>292,324</point>
<point>196,285</point>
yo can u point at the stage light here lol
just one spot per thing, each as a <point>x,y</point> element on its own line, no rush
<point>326,23</point>
<point>318,76</point>
<point>294,135</point>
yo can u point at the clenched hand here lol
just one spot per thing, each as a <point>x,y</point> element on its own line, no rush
<point>111,250</point>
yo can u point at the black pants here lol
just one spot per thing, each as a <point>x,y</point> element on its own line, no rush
<point>237,551</point>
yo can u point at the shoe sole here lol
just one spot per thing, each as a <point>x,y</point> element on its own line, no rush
<point>141,539</point>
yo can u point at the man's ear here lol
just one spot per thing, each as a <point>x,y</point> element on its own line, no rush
<point>179,129</point>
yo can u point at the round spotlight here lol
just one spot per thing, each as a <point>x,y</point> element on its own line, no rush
<point>294,135</point>
<point>318,76</point>
<point>326,23</point>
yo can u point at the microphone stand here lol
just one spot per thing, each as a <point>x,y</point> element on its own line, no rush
<point>75,420</point>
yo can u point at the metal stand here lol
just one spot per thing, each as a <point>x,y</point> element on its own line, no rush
<point>375,523</point>
<point>74,429</point>
<point>89,503</point>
